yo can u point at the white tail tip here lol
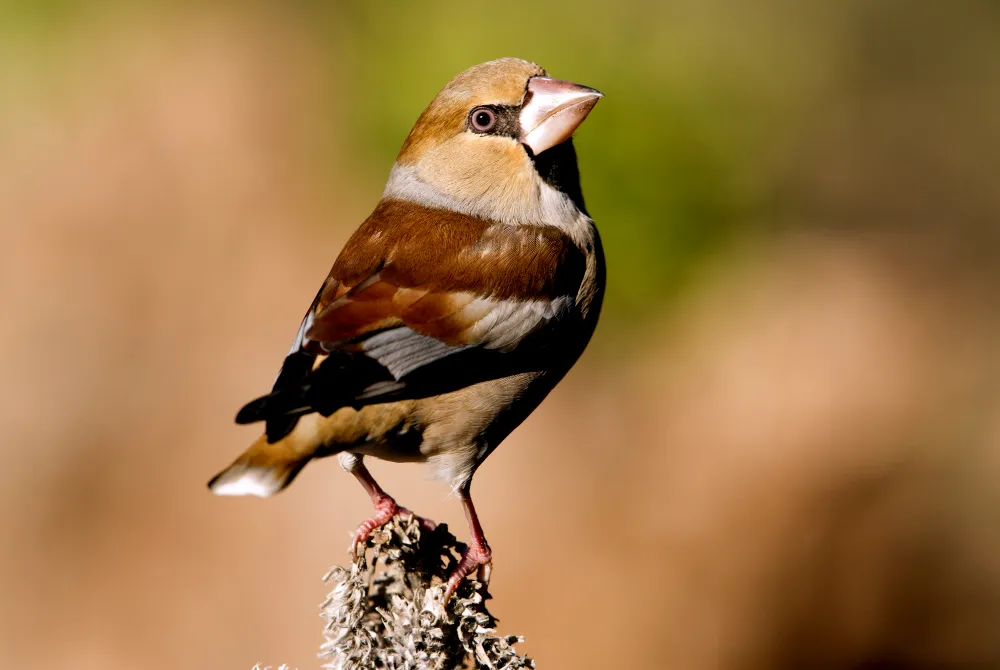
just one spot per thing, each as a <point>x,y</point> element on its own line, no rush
<point>246,481</point>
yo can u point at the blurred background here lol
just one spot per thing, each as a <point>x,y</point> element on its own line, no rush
<point>782,449</point>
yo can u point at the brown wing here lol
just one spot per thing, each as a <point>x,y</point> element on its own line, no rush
<point>415,288</point>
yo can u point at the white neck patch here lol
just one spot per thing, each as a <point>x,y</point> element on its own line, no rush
<point>549,207</point>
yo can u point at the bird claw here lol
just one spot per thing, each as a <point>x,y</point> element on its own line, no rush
<point>476,557</point>
<point>385,509</point>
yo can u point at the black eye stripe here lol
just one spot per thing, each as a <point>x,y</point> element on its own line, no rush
<point>505,124</point>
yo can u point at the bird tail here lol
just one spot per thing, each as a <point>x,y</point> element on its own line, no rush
<point>339,379</point>
<point>263,469</point>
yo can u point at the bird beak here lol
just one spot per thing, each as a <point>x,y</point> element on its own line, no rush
<point>553,110</point>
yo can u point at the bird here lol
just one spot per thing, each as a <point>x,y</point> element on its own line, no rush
<point>452,311</point>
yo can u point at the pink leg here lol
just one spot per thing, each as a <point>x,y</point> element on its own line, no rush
<point>478,556</point>
<point>385,507</point>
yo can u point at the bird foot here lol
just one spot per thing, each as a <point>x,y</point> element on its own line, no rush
<point>385,509</point>
<point>477,557</point>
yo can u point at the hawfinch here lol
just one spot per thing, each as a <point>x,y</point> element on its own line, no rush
<point>453,310</point>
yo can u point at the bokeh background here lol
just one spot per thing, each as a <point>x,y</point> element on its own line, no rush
<point>782,449</point>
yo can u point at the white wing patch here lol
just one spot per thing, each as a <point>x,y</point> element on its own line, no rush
<point>300,337</point>
<point>512,320</point>
<point>299,341</point>
<point>401,350</point>
<point>498,325</point>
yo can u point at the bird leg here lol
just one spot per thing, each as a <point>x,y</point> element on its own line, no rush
<point>478,555</point>
<point>385,505</point>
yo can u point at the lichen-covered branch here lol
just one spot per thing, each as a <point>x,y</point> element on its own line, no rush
<point>386,610</point>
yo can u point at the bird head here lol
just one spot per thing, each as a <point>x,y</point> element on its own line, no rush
<point>494,142</point>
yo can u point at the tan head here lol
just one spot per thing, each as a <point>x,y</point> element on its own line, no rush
<point>478,146</point>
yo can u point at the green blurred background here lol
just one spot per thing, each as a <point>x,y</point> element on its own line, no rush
<point>781,451</point>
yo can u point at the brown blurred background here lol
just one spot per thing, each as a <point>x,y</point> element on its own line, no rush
<point>781,451</point>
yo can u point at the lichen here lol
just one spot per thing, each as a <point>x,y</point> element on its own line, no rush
<point>386,609</point>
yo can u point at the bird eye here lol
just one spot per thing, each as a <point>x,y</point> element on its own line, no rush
<point>483,119</point>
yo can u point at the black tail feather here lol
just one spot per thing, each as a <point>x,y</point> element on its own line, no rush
<point>275,404</point>
<point>288,394</point>
<point>299,390</point>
